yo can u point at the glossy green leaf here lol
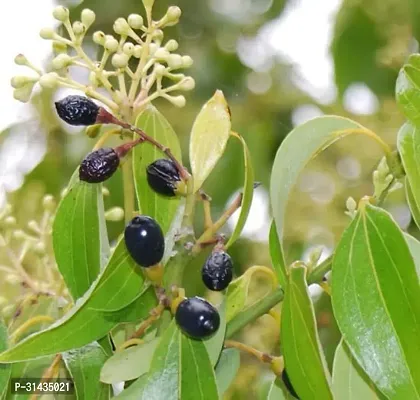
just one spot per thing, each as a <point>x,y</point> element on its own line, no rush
<point>408,96</point>
<point>214,345</point>
<point>209,136</point>
<point>227,368</point>
<point>248,193</point>
<point>5,369</point>
<point>84,365</point>
<point>375,293</point>
<point>80,248</point>
<point>162,209</point>
<point>414,246</point>
<point>302,351</point>
<point>349,381</point>
<point>276,253</point>
<point>180,370</point>
<point>125,365</point>
<point>278,391</point>
<point>411,200</point>
<point>297,149</point>
<point>118,285</point>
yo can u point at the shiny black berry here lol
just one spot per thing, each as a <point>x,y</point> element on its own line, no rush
<point>77,110</point>
<point>288,384</point>
<point>99,165</point>
<point>217,271</point>
<point>144,240</point>
<point>197,317</point>
<point>163,177</point>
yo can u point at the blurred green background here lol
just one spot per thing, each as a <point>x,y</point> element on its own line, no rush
<point>279,63</point>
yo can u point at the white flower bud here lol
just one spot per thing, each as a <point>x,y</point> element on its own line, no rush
<point>128,49</point>
<point>120,60</point>
<point>114,214</point>
<point>78,28</point>
<point>173,14</point>
<point>187,84</point>
<point>153,48</point>
<point>23,94</point>
<point>61,13</point>
<point>187,61</point>
<point>61,61</point>
<point>121,27</point>
<point>59,47</point>
<point>137,51</point>
<point>135,21</point>
<point>175,61</point>
<point>19,234</point>
<point>158,35</point>
<point>39,249</point>
<point>161,54</point>
<point>47,33</point>
<point>20,81</point>
<point>111,44</point>
<point>351,204</point>
<point>20,59</point>
<point>105,191</point>
<point>10,221</point>
<point>33,226</point>
<point>159,69</point>
<point>49,81</point>
<point>88,17</point>
<point>178,101</point>
<point>171,45</point>
<point>99,38</point>
<point>48,203</point>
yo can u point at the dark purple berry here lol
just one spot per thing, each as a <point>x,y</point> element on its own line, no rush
<point>288,384</point>
<point>77,110</point>
<point>99,165</point>
<point>163,177</point>
<point>197,317</point>
<point>217,271</point>
<point>144,241</point>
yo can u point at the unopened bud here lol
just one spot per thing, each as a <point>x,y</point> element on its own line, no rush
<point>178,101</point>
<point>19,234</point>
<point>120,60</point>
<point>61,13</point>
<point>121,26</point>
<point>59,47</point>
<point>20,59</point>
<point>114,214</point>
<point>47,33</point>
<point>93,131</point>
<point>39,249</point>
<point>105,191</point>
<point>10,221</point>
<point>161,54</point>
<point>33,226</point>
<point>158,35</point>
<point>49,81</point>
<point>99,38</point>
<point>20,81</point>
<point>187,84</point>
<point>88,17</point>
<point>137,51</point>
<point>111,44</point>
<point>171,45</point>
<point>351,204</point>
<point>160,69</point>
<point>175,61</point>
<point>48,202</point>
<point>24,93</point>
<point>135,21</point>
<point>128,49</point>
<point>61,61</point>
<point>187,61</point>
<point>78,28</point>
<point>153,47</point>
<point>173,14</point>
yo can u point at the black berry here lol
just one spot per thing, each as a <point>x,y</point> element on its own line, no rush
<point>144,240</point>
<point>288,384</point>
<point>163,176</point>
<point>197,317</point>
<point>217,271</point>
<point>99,165</point>
<point>77,110</point>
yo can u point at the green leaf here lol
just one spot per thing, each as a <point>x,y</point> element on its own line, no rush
<point>180,369</point>
<point>297,149</point>
<point>408,96</point>
<point>117,289</point>
<point>162,209</point>
<point>349,381</point>
<point>411,200</point>
<point>209,136</point>
<point>227,368</point>
<point>125,366</point>
<point>414,246</point>
<point>84,365</point>
<point>276,253</point>
<point>79,236</point>
<point>5,370</point>
<point>375,298</point>
<point>248,193</point>
<point>278,391</point>
<point>302,351</point>
<point>214,345</point>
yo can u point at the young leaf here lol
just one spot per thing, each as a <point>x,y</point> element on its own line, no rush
<point>118,285</point>
<point>277,391</point>
<point>302,351</point>
<point>247,195</point>
<point>84,365</point>
<point>5,369</point>
<point>79,236</point>
<point>214,345</point>
<point>408,94</point>
<point>227,368</point>
<point>180,369</point>
<point>209,136</point>
<point>349,381</point>
<point>299,147</point>
<point>162,209</point>
<point>125,366</point>
<point>375,292</point>
<point>276,253</point>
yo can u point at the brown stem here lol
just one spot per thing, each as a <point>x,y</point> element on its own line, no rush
<point>154,315</point>
<point>263,357</point>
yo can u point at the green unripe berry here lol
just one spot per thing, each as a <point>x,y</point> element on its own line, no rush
<point>88,17</point>
<point>135,21</point>
<point>61,13</point>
